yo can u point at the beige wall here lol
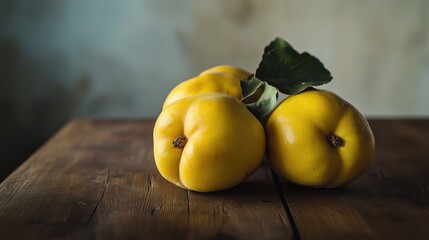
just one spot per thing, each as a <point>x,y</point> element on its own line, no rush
<point>377,51</point>
<point>111,58</point>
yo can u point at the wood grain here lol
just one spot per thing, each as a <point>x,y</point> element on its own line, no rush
<point>390,201</point>
<point>97,179</point>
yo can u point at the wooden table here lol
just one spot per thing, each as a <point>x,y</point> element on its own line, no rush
<point>96,179</point>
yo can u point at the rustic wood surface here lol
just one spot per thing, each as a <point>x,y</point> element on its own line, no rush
<point>96,179</point>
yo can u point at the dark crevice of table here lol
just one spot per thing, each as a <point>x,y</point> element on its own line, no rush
<point>280,188</point>
<point>96,179</point>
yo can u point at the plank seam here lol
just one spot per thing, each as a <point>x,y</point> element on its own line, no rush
<point>188,212</point>
<point>279,187</point>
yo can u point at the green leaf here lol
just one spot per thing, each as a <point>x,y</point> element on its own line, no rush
<point>250,88</point>
<point>259,97</point>
<point>289,71</point>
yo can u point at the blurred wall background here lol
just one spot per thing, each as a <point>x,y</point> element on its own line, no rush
<point>105,58</point>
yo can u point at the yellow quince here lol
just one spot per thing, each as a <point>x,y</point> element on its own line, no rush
<point>207,142</point>
<point>315,138</point>
<point>220,79</point>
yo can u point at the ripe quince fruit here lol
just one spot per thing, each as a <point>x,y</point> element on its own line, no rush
<point>207,142</point>
<point>315,138</point>
<point>220,79</point>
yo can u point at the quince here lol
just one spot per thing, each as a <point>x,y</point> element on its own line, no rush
<point>207,142</point>
<point>220,79</point>
<point>315,138</point>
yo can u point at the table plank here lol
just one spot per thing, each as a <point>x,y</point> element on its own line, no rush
<point>390,201</point>
<point>253,210</point>
<point>97,179</point>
